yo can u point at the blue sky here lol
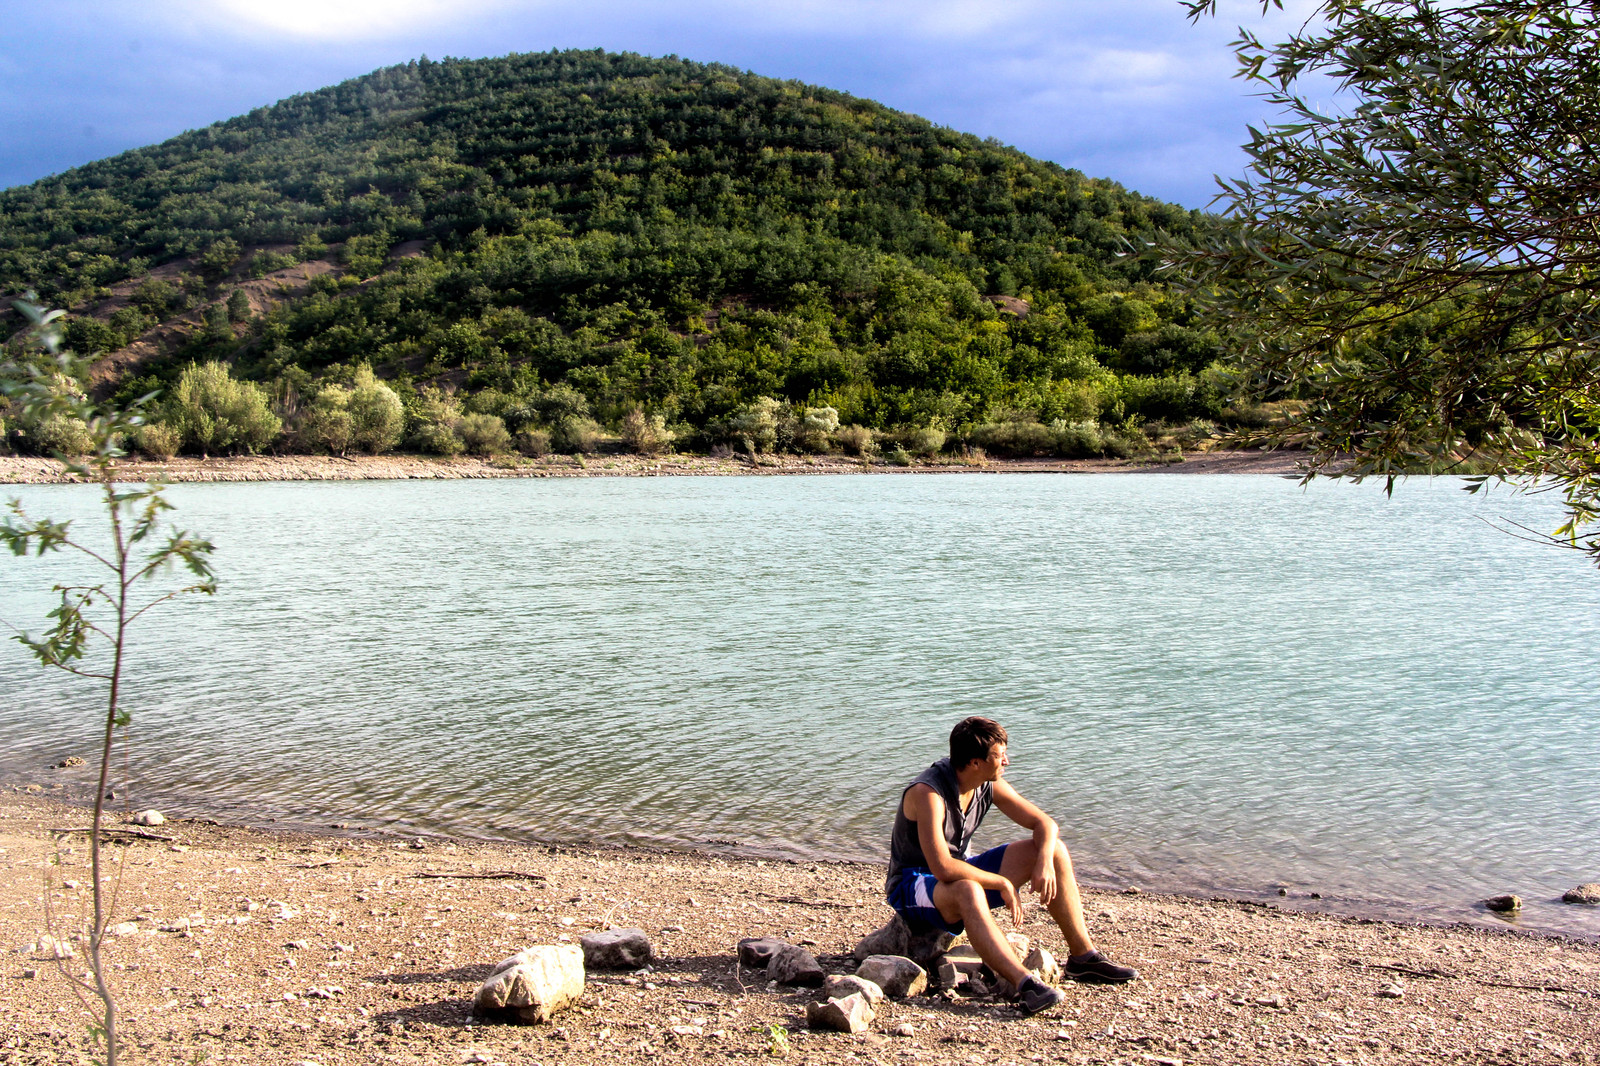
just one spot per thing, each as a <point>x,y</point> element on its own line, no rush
<point>1125,89</point>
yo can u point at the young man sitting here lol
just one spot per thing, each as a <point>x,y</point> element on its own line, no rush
<point>933,882</point>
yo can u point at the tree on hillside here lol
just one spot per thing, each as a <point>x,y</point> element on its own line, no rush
<point>1416,266</point>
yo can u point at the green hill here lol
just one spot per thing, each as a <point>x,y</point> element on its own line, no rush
<point>578,234</point>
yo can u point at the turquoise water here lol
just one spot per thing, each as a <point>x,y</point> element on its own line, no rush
<point>1215,683</point>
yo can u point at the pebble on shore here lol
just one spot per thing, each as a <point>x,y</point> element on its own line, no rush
<point>395,941</point>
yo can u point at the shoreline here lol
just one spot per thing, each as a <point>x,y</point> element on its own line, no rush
<point>1261,889</point>
<point>33,470</point>
<point>268,946</point>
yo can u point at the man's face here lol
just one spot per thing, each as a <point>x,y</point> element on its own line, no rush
<point>996,762</point>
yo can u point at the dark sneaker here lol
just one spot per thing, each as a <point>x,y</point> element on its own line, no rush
<point>1095,967</point>
<point>1035,996</point>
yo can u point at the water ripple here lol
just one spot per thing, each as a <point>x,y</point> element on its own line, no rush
<point>1218,682</point>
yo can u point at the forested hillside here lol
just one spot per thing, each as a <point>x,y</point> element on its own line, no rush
<point>579,244</point>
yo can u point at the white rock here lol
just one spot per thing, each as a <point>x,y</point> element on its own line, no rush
<point>54,948</point>
<point>1043,965</point>
<point>852,1014</point>
<point>124,929</point>
<point>838,986</point>
<point>150,817</point>
<point>534,984</point>
<point>897,975</point>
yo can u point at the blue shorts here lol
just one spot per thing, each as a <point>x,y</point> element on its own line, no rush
<point>911,895</point>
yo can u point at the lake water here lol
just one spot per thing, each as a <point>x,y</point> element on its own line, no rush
<point>1215,683</point>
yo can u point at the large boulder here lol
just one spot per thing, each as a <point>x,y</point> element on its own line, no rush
<point>794,965</point>
<point>897,975</point>
<point>852,1014</point>
<point>533,985</point>
<point>756,951</point>
<point>838,986</point>
<point>617,949</point>
<point>896,937</point>
<point>1589,893</point>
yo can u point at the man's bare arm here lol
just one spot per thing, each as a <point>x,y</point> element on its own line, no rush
<point>1045,836</point>
<point>926,807</point>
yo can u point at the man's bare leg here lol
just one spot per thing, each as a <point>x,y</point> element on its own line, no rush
<point>964,901</point>
<point>1067,907</point>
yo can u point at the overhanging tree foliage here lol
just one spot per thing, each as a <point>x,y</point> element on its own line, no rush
<point>1416,263</point>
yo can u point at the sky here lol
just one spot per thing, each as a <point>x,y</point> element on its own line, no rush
<point>1122,89</point>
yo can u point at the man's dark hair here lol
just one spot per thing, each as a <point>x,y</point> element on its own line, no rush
<point>973,738</point>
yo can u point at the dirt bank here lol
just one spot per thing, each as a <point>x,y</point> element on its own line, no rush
<point>261,947</point>
<point>27,470</point>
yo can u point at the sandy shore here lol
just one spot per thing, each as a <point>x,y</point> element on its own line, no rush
<point>256,946</point>
<point>28,470</point>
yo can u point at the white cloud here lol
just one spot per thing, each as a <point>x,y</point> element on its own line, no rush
<point>340,19</point>
<point>934,18</point>
<point>330,20</point>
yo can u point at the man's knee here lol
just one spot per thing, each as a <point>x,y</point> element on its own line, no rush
<point>966,894</point>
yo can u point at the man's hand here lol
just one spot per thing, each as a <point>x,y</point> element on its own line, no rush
<point>1008,892</point>
<point>1044,879</point>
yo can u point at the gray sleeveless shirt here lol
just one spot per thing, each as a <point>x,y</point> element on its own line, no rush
<point>905,848</point>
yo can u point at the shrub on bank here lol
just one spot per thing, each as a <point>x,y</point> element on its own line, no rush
<point>377,417</point>
<point>534,443</point>
<point>1025,439</point>
<point>1015,439</point>
<point>855,440</point>
<point>646,434</point>
<point>213,412</point>
<point>483,434</point>
<point>576,436</point>
<point>156,440</point>
<point>921,441</point>
<point>434,418</point>
<point>816,428</point>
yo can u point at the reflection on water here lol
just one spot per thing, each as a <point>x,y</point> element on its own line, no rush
<point>1213,682</point>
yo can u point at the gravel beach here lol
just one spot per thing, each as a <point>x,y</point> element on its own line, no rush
<point>256,946</point>
<point>31,470</point>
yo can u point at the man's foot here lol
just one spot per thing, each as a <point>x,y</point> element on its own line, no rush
<point>1035,996</point>
<point>1095,967</point>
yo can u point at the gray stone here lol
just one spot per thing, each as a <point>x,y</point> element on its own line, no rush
<point>905,1029</point>
<point>1506,904</point>
<point>965,959</point>
<point>1391,990</point>
<point>1043,965</point>
<point>1587,893</point>
<point>794,965</point>
<point>617,949</point>
<point>897,938</point>
<point>838,986</point>
<point>897,975</point>
<point>756,951</point>
<point>852,1014</point>
<point>946,975</point>
<point>533,985</point>
<point>150,817</point>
